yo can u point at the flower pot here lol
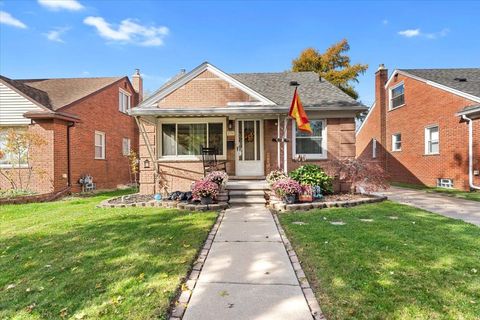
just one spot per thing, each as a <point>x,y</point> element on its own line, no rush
<point>290,199</point>
<point>206,200</point>
<point>305,198</point>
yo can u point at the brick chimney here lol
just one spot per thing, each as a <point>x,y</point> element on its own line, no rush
<point>381,78</point>
<point>137,83</point>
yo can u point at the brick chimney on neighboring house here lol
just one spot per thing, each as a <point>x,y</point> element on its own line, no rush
<point>381,78</point>
<point>137,83</point>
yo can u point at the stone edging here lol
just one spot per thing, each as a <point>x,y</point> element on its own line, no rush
<point>165,204</point>
<point>45,197</point>
<point>179,305</point>
<point>301,277</point>
<point>281,207</point>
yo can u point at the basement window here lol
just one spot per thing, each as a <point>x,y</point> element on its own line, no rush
<point>445,183</point>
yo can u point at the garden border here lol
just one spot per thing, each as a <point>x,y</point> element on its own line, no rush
<point>44,197</point>
<point>282,207</point>
<point>165,204</point>
<point>180,303</point>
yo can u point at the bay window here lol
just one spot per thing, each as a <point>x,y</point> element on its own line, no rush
<point>184,138</point>
<point>312,146</point>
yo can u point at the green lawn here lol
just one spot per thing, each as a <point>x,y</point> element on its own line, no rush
<point>416,266</point>
<point>473,195</point>
<point>68,259</point>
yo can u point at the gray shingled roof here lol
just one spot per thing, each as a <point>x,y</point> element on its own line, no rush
<point>35,94</point>
<point>447,78</point>
<point>313,91</point>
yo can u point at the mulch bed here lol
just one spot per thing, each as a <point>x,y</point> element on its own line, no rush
<point>341,197</point>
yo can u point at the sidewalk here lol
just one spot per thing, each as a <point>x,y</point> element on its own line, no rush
<point>247,273</point>
<point>466,210</point>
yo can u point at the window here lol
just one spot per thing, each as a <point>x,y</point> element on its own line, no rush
<point>397,142</point>
<point>312,146</point>
<point>123,101</point>
<point>185,139</point>
<point>99,145</point>
<point>445,183</point>
<point>432,140</point>
<point>126,146</point>
<point>397,96</point>
<point>12,159</point>
<point>374,148</point>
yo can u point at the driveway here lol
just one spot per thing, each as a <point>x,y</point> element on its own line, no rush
<point>248,273</point>
<point>466,210</point>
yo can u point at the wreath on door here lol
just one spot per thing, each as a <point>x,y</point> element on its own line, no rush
<point>249,135</point>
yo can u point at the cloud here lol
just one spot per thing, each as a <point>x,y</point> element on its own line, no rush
<point>56,34</point>
<point>56,5</point>
<point>6,18</point>
<point>385,21</point>
<point>410,33</point>
<point>129,31</point>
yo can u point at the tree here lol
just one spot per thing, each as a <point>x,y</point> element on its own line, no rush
<point>17,148</point>
<point>332,65</point>
<point>362,175</point>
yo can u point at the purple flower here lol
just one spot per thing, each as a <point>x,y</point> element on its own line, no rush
<point>204,188</point>
<point>286,187</point>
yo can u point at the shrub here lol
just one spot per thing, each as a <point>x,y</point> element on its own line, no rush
<point>219,177</point>
<point>286,186</point>
<point>313,175</point>
<point>274,176</point>
<point>204,189</point>
<point>361,175</point>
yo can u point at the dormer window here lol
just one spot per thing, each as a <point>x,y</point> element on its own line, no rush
<point>397,96</point>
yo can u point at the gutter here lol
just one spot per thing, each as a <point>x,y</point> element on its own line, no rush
<point>470,152</point>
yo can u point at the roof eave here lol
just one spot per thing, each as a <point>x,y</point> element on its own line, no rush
<point>51,115</point>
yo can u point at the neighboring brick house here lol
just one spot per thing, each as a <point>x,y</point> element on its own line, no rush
<point>418,128</point>
<point>242,115</point>
<point>84,122</point>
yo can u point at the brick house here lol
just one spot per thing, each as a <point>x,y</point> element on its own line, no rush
<point>244,116</point>
<point>424,127</point>
<point>84,122</point>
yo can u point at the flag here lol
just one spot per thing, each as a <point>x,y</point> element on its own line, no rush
<point>298,113</point>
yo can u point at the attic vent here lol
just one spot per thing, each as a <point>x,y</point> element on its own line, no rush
<point>460,79</point>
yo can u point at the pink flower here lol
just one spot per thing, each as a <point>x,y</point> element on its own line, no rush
<point>203,189</point>
<point>219,177</point>
<point>286,187</point>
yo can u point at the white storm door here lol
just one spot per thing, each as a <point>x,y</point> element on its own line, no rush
<point>249,148</point>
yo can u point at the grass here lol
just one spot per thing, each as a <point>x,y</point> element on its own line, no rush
<point>417,266</point>
<point>472,195</point>
<point>70,260</point>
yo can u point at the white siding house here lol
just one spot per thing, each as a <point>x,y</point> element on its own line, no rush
<point>13,106</point>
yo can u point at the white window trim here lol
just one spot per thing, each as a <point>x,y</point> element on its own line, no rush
<point>390,107</point>
<point>129,146</point>
<point>440,183</point>
<point>129,100</point>
<point>374,148</point>
<point>104,145</point>
<point>427,137</point>
<point>189,121</point>
<point>318,156</point>
<point>394,141</point>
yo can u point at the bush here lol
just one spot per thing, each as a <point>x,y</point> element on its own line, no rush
<point>362,175</point>
<point>286,186</point>
<point>313,175</point>
<point>204,189</point>
<point>219,177</point>
<point>274,176</point>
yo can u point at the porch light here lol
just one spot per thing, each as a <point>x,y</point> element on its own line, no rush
<point>146,164</point>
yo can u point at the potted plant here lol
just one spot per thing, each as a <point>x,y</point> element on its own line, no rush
<point>219,177</point>
<point>274,176</point>
<point>205,191</point>
<point>307,194</point>
<point>287,189</point>
<point>313,175</point>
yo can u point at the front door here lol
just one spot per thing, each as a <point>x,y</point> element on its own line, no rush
<point>249,151</point>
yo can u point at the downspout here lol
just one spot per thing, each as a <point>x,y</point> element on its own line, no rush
<point>470,152</point>
<point>69,165</point>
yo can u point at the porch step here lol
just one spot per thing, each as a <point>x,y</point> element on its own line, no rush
<point>249,201</point>
<point>247,177</point>
<point>247,185</point>
<point>246,193</point>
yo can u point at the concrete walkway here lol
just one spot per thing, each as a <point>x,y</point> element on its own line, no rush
<point>247,273</point>
<point>466,210</point>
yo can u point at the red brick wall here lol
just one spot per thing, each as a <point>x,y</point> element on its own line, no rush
<point>206,90</point>
<point>99,112</point>
<point>424,105</point>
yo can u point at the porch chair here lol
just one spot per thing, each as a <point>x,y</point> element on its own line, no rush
<point>210,162</point>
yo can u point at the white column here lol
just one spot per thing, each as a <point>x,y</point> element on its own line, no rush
<point>285,147</point>
<point>278,143</point>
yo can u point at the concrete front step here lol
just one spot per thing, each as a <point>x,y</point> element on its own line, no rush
<point>246,193</point>
<point>247,185</point>
<point>249,200</point>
